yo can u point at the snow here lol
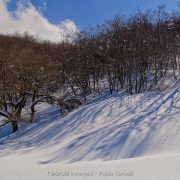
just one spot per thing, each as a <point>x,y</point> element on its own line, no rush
<point>145,168</point>
<point>136,135</point>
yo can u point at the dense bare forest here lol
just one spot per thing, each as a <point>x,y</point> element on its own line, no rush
<point>132,54</point>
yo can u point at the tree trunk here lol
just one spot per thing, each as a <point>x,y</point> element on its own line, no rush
<point>14,126</point>
<point>32,114</point>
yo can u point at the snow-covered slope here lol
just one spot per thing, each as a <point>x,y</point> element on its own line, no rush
<point>107,128</point>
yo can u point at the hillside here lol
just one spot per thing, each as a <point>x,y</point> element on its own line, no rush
<point>142,129</point>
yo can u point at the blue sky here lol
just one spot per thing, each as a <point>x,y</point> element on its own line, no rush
<point>91,12</point>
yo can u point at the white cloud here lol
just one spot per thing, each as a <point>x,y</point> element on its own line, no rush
<point>27,18</point>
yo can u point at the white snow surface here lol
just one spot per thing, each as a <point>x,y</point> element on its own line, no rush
<point>112,137</point>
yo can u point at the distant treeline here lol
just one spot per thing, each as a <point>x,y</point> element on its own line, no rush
<point>132,54</point>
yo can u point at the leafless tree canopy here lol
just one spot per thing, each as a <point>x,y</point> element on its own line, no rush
<point>133,54</point>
